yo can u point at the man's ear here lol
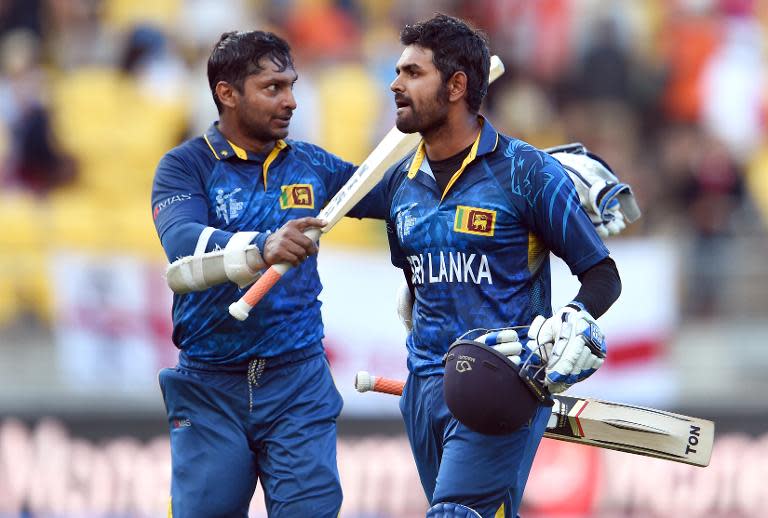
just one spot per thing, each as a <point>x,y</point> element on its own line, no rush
<point>457,86</point>
<point>227,94</point>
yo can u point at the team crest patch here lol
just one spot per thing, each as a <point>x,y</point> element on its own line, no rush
<point>297,196</point>
<point>472,220</point>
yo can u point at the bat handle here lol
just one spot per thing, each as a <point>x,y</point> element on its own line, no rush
<point>255,293</point>
<point>364,382</point>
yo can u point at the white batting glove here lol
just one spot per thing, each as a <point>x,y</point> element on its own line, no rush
<point>609,203</point>
<point>405,306</point>
<point>572,345</point>
<point>508,343</point>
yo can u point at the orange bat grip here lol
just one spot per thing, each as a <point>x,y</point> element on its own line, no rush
<point>389,386</point>
<point>256,292</point>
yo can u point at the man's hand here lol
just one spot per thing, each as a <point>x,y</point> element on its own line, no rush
<point>289,244</point>
<point>572,345</point>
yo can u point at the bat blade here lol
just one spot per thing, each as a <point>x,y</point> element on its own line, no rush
<point>392,148</point>
<point>633,429</point>
<point>603,424</point>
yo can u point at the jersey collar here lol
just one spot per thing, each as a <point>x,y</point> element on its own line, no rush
<point>224,149</point>
<point>485,143</point>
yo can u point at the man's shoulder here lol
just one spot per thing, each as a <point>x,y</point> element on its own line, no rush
<point>399,170</point>
<point>312,154</point>
<point>192,159</point>
<point>517,157</point>
<point>193,150</point>
<point>511,148</point>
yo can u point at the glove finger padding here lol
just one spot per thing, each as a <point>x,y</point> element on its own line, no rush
<point>544,330</point>
<point>600,191</point>
<point>575,343</point>
<point>616,223</point>
<point>405,306</point>
<point>506,341</point>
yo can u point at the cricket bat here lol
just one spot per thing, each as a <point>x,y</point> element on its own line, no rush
<point>615,426</point>
<point>392,148</point>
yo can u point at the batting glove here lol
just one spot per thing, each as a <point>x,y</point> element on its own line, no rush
<point>405,306</point>
<point>609,203</point>
<point>507,342</point>
<point>571,344</point>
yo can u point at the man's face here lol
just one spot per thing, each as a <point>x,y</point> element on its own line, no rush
<point>264,107</point>
<point>421,96</point>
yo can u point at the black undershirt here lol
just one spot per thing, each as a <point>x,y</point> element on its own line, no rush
<point>443,170</point>
<point>600,287</point>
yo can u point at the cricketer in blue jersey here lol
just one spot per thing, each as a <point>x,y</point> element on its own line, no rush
<point>249,401</point>
<point>473,216</point>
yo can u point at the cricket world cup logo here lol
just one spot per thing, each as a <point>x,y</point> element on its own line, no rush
<point>297,196</point>
<point>473,220</point>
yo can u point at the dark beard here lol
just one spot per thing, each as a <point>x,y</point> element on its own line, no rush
<point>429,118</point>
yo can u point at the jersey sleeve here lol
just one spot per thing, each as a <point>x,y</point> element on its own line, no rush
<point>180,210</point>
<point>550,206</point>
<point>388,186</point>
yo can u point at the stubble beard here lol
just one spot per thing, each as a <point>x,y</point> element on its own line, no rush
<point>428,119</point>
<point>260,132</point>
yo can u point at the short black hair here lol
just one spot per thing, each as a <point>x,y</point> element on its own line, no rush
<point>455,47</point>
<point>237,55</point>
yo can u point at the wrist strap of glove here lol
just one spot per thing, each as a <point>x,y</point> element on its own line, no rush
<point>578,306</point>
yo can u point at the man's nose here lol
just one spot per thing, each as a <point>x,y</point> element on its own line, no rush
<point>289,101</point>
<point>396,86</point>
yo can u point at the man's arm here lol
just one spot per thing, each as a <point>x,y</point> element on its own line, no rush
<point>600,287</point>
<point>204,256</point>
<point>569,344</point>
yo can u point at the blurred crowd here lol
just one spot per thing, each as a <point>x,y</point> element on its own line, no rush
<point>672,93</point>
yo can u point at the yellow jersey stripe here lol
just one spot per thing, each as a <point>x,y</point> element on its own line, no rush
<point>536,253</point>
<point>471,156</point>
<point>279,145</point>
<point>241,153</point>
<point>210,146</point>
<point>418,158</point>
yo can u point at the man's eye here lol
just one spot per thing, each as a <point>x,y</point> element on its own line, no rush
<point>272,88</point>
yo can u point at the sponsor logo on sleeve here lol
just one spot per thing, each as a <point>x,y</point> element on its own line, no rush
<point>297,196</point>
<point>472,220</point>
<point>180,422</point>
<point>159,206</point>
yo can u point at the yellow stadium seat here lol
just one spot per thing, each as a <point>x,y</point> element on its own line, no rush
<point>757,180</point>
<point>122,14</point>
<point>116,132</point>
<point>35,285</point>
<point>23,279</point>
<point>9,305</point>
<point>21,220</point>
<point>350,105</point>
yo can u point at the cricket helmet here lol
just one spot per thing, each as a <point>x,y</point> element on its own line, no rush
<point>485,391</point>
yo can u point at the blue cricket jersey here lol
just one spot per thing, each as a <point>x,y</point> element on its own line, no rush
<point>207,189</point>
<point>479,252</point>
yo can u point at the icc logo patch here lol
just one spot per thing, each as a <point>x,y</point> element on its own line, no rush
<point>472,220</point>
<point>297,196</point>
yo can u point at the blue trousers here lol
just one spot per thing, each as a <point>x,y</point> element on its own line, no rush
<point>273,422</point>
<point>457,465</point>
